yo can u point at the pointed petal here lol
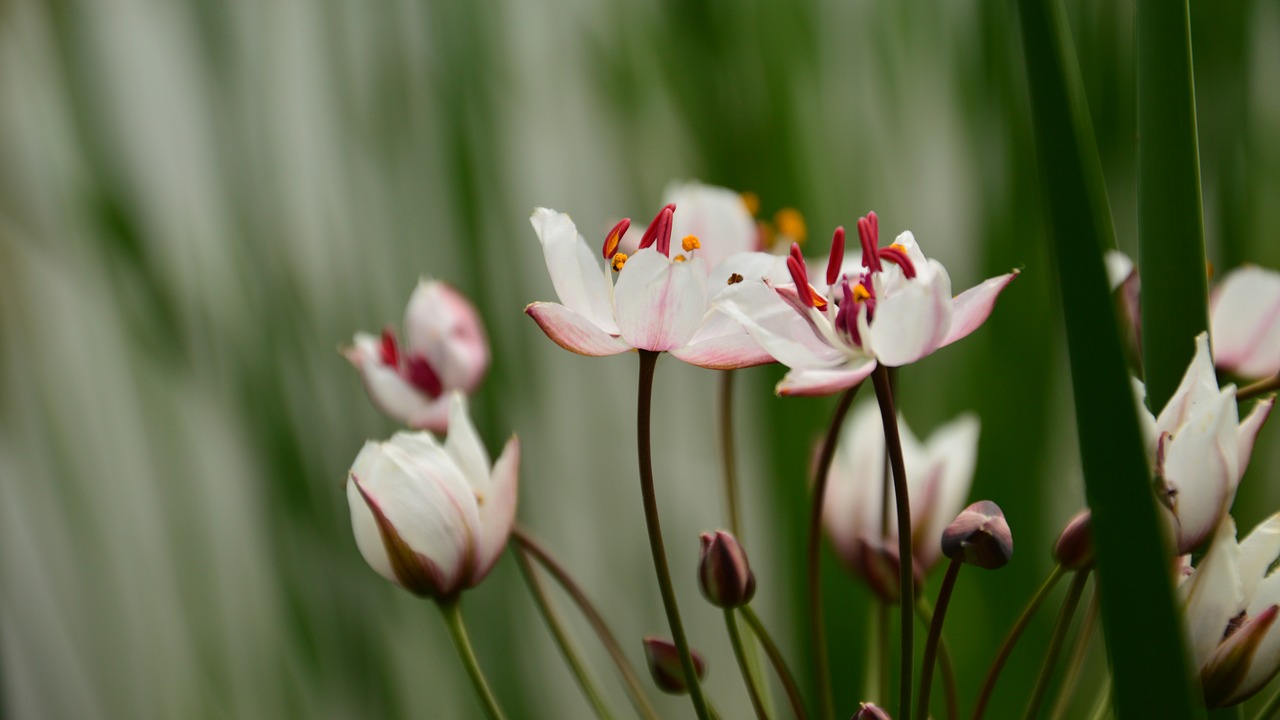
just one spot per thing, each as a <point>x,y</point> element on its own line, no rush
<point>1213,594</point>
<point>444,326</point>
<point>408,569</point>
<point>972,307</point>
<point>433,416</point>
<point>1201,463</point>
<point>659,303</point>
<point>716,215</point>
<point>913,321</point>
<point>1250,427</point>
<point>1199,384</point>
<point>575,274</point>
<point>814,382</point>
<point>391,394</point>
<point>1119,268</point>
<point>776,326</point>
<point>497,510</point>
<point>1244,316</point>
<point>727,352</point>
<point>464,445</point>
<point>1225,672</point>
<point>1258,551</point>
<point>573,332</point>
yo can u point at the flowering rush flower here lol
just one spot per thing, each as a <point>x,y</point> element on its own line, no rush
<point>446,350</point>
<point>433,518</point>
<point>1230,601</point>
<point>891,305</point>
<point>1199,448</point>
<point>1244,317</point>
<point>939,473</point>
<point>659,300</point>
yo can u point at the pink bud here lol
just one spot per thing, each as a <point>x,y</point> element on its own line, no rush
<point>871,711</point>
<point>1074,549</point>
<point>723,572</point>
<point>979,536</point>
<point>664,664</point>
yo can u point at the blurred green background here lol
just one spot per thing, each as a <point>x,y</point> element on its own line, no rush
<point>200,201</point>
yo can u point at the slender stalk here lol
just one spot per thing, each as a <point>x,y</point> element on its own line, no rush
<point>925,614</point>
<point>816,629</point>
<point>877,653</point>
<point>885,618</point>
<point>644,402</point>
<point>739,652</point>
<point>727,454</point>
<point>1262,387</point>
<point>561,635</point>
<point>1075,665</point>
<point>629,675</point>
<point>935,635</point>
<point>889,418</point>
<point>1271,709</point>
<point>778,661</point>
<point>1011,639</point>
<point>1102,707</point>
<point>457,630</point>
<point>1060,630</point>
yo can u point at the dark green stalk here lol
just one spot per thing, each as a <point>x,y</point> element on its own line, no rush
<point>1010,640</point>
<point>727,454</point>
<point>1144,631</point>
<point>739,652</point>
<point>777,660</point>
<point>644,402</point>
<point>458,631</point>
<point>935,636</point>
<point>816,625</point>
<point>1171,257</point>
<point>906,574</point>
<point>1060,630</point>
<point>571,655</point>
<point>1271,709</point>
<point>1071,678</point>
<point>949,686</point>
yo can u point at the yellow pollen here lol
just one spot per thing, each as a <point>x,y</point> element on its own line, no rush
<point>860,293</point>
<point>899,248</point>
<point>690,243</point>
<point>791,223</point>
<point>752,201</point>
<point>618,261</point>
<point>679,258</point>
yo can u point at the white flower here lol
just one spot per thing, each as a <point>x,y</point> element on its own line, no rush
<point>433,518</point>
<point>1244,316</point>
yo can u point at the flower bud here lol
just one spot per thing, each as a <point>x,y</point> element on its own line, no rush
<point>871,711</point>
<point>664,664</point>
<point>723,572</point>
<point>979,536</point>
<point>1229,666</point>
<point>1074,549</point>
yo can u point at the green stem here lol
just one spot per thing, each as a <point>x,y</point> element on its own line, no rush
<point>1011,639</point>
<point>883,622</point>
<point>889,418</point>
<point>779,662</point>
<point>949,685</point>
<point>1071,679</point>
<point>727,454</point>
<point>629,675</point>
<point>935,635</point>
<point>457,630</point>
<point>1060,630</point>
<point>563,641</point>
<point>1271,709</point>
<point>644,402</point>
<point>739,652</point>
<point>1102,707</point>
<point>1262,387</point>
<point>816,624</point>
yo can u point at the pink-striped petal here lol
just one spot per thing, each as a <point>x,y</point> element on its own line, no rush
<point>444,326</point>
<point>726,352</point>
<point>574,332</point>
<point>1250,427</point>
<point>1245,319</point>
<point>576,274</point>
<point>972,307</point>
<point>658,303</point>
<point>912,321</point>
<point>815,382</point>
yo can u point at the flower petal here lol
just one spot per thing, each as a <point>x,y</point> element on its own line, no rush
<point>1201,464</point>
<point>575,274</point>
<point>726,352</point>
<point>497,510</point>
<point>1258,551</point>
<point>855,486</point>
<point>1119,268</point>
<point>1213,594</point>
<point>1250,427</point>
<point>814,382</point>
<point>464,445</point>
<point>1199,384</point>
<point>972,307</point>
<point>659,303</point>
<point>716,215</point>
<point>444,326</point>
<point>394,396</point>
<point>1244,316</point>
<point>912,321</point>
<point>776,326</point>
<point>1227,673</point>
<point>573,332</point>
<point>954,448</point>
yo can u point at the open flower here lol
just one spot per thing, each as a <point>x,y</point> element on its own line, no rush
<point>892,305</point>
<point>1199,448</point>
<point>433,518</point>
<point>446,351</point>
<point>1231,600</point>
<point>939,473</point>
<point>659,301</point>
<point>1244,316</point>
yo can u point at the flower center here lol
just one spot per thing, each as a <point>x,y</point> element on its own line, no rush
<point>412,367</point>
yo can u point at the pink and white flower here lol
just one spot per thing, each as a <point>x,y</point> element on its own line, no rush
<point>1244,317</point>
<point>433,518</point>
<point>446,351</point>
<point>890,306</point>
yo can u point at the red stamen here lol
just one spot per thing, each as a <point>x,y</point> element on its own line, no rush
<point>848,308</point>
<point>836,259</point>
<point>801,279</point>
<point>614,238</point>
<point>874,222</point>
<point>390,350</point>
<point>659,230</point>
<point>869,235</point>
<point>421,375</point>
<point>896,255</point>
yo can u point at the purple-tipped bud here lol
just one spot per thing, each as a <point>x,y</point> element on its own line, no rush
<point>1074,549</point>
<point>664,664</point>
<point>659,230</point>
<point>723,572</point>
<point>614,238</point>
<point>836,259</point>
<point>979,536</point>
<point>871,711</point>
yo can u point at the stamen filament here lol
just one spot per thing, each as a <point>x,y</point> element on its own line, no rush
<point>836,258</point>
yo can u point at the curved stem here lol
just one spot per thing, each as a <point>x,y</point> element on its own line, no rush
<point>889,418</point>
<point>458,631</point>
<point>1271,709</point>
<point>778,661</point>
<point>727,454</point>
<point>816,629</point>
<point>644,402</point>
<point>949,687</point>
<point>935,636</point>
<point>739,652</point>
<point>989,685</point>
<point>1071,678</point>
<point>561,635</point>
<point>1060,630</point>
<point>593,617</point>
<point>884,619</point>
<point>1261,387</point>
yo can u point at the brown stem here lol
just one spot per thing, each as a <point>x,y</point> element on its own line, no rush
<point>993,674</point>
<point>1261,387</point>
<point>777,660</point>
<point>727,454</point>
<point>935,636</point>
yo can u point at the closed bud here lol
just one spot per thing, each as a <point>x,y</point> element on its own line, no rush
<point>664,664</point>
<point>979,536</point>
<point>723,572</point>
<point>1074,549</point>
<point>871,711</point>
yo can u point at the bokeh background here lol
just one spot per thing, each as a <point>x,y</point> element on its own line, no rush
<point>201,201</point>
